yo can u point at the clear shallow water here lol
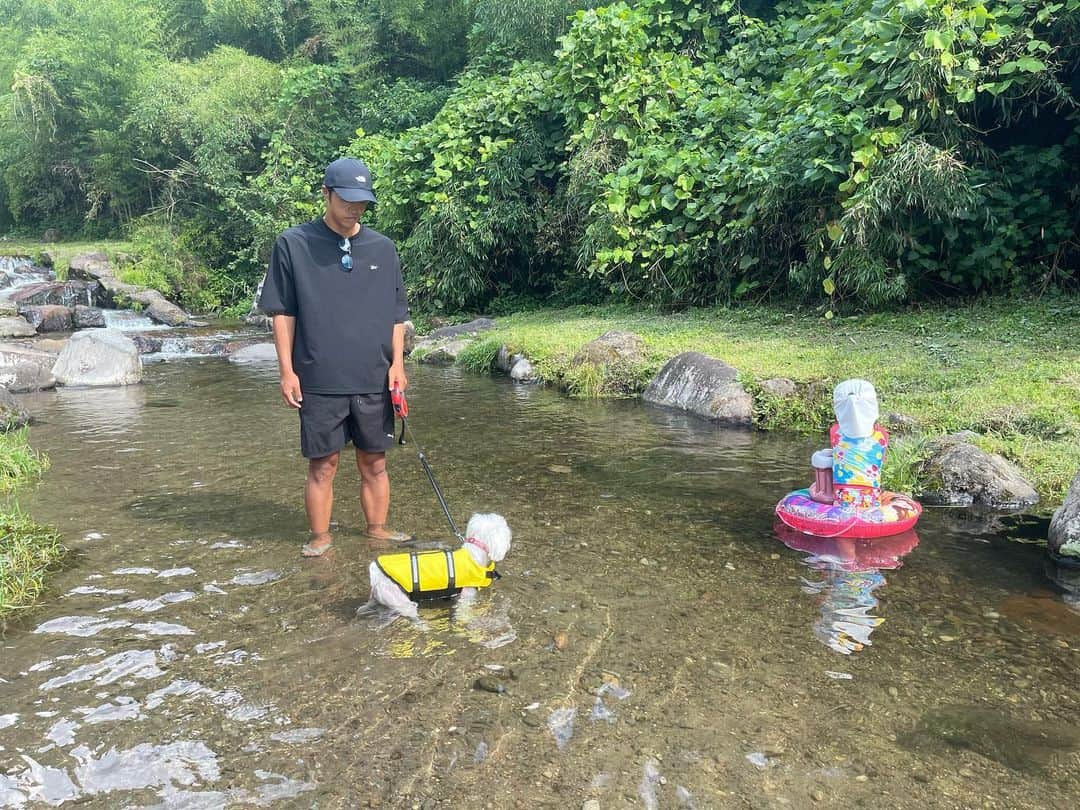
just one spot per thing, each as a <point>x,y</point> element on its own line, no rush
<point>652,643</point>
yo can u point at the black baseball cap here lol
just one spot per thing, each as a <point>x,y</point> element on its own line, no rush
<point>351,179</point>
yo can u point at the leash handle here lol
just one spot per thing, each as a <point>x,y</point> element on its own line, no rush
<point>401,410</point>
<point>401,405</point>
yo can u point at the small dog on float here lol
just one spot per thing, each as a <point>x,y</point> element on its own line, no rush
<point>401,579</point>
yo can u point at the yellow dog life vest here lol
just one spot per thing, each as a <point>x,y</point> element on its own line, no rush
<point>435,574</point>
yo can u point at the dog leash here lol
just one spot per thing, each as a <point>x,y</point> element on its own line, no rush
<point>401,409</point>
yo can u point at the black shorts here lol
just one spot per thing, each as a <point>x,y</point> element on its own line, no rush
<point>329,421</point>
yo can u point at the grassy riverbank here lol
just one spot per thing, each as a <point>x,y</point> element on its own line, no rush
<point>27,550</point>
<point>1008,370</point>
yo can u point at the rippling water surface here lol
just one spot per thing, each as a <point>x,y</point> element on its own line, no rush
<point>652,642</point>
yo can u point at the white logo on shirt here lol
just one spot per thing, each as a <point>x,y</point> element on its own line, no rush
<point>374,267</point>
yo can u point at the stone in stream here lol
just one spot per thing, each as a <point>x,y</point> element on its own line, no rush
<point>12,416</point>
<point>16,326</point>
<point>957,473</point>
<point>89,317</point>
<point>1024,745</point>
<point>25,377</point>
<point>1063,539</point>
<point>704,386</point>
<point>48,317</point>
<point>98,358</point>
<point>60,293</point>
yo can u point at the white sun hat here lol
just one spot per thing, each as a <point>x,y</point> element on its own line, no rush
<point>856,406</point>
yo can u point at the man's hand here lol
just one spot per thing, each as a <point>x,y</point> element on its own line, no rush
<point>290,390</point>
<point>397,377</point>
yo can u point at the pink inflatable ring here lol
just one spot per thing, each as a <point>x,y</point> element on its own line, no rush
<point>896,513</point>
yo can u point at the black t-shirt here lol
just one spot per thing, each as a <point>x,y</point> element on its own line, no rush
<point>344,320</point>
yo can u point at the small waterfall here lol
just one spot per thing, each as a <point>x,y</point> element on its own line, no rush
<point>17,272</point>
<point>125,320</point>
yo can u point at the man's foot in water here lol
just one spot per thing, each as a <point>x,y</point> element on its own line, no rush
<point>319,544</point>
<point>380,532</point>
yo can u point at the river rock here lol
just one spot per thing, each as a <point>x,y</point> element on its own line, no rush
<point>522,371</point>
<point>48,317</point>
<point>12,416</point>
<point>47,259</point>
<point>147,344</point>
<point>25,377</point>
<point>50,235</point>
<point>256,353</point>
<point>1063,539</point>
<point>503,361</point>
<point>957,473</point>
<point>410,337</point>
<point>779,387</point>
<point>470,328</point>
<point>62,293</point>
<point>91,266</point>
<point>611,348</point>
<point>900,424</point>
<point>443,353</point>
<point>97,358</point>
<point>160,309</point>
<point>704,386</point>
<point>89,317</point>
<point>16,327</point>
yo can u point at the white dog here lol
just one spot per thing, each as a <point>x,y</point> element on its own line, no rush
<point>401,579</point>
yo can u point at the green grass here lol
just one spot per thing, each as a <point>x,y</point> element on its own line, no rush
<point>28,552</point>
<point>62,252</point>
<point>19,462</point>
<point>1006,369</point>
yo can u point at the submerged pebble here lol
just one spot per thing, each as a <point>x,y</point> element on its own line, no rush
<point>489,684</point>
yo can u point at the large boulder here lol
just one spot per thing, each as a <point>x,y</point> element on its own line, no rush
<point>522,371</point>
<point>12,416</point>
<point>24,377</point>
<point>443,353</point>
<point>23,369</point>
<point>611,348</point>
<point>62,293</point>
<point>91,266</point>
<point>704,386</point>
<point>1063,539</point>
<point>957,473</point>
<point>48,317</point>
<point>16,327</point>
<point>470,328</point>
<point>615,359</point>
<point>410,337</point>
<point>96,358</point>
<point>160,309</point>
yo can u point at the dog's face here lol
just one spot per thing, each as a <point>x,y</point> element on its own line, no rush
<point>493,531</point>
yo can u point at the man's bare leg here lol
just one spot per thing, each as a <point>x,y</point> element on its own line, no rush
<point>319,498</point>
<point>374,492</point>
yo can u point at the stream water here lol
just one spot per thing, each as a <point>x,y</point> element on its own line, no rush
<point>652,643</point>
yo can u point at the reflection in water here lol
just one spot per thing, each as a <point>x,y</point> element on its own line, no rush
<point>96,412</point>
<point>851,572</point>
<point>846,600</point>
<point>484,621</point>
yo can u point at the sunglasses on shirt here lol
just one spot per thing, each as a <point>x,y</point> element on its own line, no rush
<point>346,260</point>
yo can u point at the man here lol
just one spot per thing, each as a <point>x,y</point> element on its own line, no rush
<point>335,291</point>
